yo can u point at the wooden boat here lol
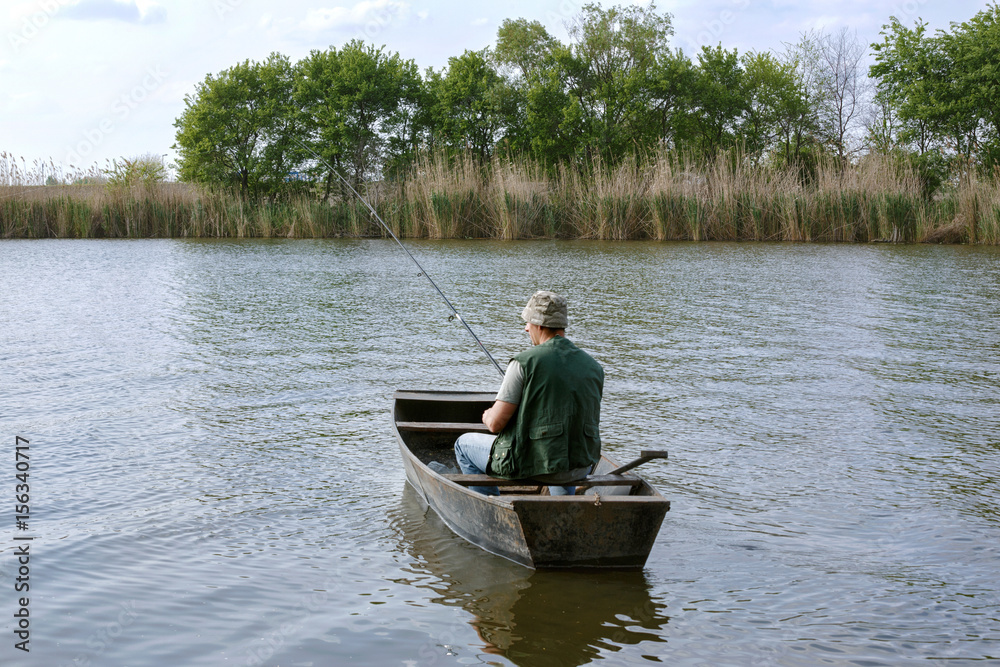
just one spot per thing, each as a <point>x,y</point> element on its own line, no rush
<point>611,522</point>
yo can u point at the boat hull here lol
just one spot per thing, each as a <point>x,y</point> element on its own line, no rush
<point>606,527</point>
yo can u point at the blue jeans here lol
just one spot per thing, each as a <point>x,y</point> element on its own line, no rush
<point>472,451</point>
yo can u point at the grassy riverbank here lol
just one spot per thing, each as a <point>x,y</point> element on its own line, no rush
<point>663,199</point>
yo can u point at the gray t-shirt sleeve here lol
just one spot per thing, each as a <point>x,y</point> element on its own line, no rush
<point>513,384</point>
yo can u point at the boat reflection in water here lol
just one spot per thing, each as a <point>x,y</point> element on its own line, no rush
<point>529,617</point>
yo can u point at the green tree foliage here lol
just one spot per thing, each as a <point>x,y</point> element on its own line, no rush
<point>467,104</point>
<point>974,48</point>
<point>779,121</point>
<point>719,100</point>
<point>673,89</point>
<point>527,47</point>
<point>357,108</point>
<point>944,88</point>
<point>611,68</point>
<point>902,70</point>
<point>618,89</point>
<point>543,118</point>
<point>772,97</point>
<point>614,91</point>
<point>144,171</point>
<point>237,128</point>
<point>553,124</point>
<point>609,92</point>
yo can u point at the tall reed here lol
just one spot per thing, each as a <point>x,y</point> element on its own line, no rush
<point>446,196</point>
<point>516,197</point>
<point>660,196</point>
<point>608,202</point>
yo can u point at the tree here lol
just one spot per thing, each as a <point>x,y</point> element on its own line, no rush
<point>671,96</point>
<point>903,71</point>
<point>554,120</point>
<point>143,171</point>
<point>719,102</point>
<point>469,104</point>
<point>775,101</point>
<point>842,88</point>
<point>610,69</point>
<point>357,109</point>
<point>972,49</point>
<point>542,117</point>
<point>942,88</point>
<point>883,126</point>
<point>526,47</point>
<point>237,128</point>
<point>798,117</point>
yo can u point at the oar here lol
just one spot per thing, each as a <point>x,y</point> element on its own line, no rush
<point>644,457</point>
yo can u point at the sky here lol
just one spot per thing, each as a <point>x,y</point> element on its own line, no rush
<point>84,82</point>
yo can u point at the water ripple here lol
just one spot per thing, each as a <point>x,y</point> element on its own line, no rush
<point>214,479</point>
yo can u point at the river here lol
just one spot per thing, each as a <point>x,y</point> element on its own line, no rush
<point>214,481</point>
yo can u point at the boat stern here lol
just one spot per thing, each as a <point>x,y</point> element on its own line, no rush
<point>578,532</point>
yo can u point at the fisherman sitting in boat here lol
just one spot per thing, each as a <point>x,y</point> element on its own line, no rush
<point>546,412</point>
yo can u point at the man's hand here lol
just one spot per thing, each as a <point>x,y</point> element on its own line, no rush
<point>497,416</point>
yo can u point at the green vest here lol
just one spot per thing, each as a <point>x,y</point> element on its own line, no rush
<point>555,428</point>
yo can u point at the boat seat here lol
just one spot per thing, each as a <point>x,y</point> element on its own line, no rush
<point>586,482</point>
<point>442,427</point>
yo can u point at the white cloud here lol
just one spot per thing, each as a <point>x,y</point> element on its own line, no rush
<point>366,11</point>
<point>479,22</point>
<point>129,11</point>
<point>20,10</point>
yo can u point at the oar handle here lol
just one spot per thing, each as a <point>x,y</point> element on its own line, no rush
<point>644,456</point>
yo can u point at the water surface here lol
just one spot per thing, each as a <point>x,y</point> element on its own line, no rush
<point>214,480</point>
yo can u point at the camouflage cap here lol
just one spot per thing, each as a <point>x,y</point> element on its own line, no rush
<point>546,309</point>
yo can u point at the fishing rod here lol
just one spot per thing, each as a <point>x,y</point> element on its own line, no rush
<point>455,313</point>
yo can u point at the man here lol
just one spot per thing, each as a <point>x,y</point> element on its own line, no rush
<point>546,412</point>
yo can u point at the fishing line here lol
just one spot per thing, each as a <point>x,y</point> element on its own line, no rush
<point>455,313</point>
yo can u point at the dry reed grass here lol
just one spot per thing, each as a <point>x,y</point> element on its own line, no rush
<point>658,197</point>
<point>516,199</point>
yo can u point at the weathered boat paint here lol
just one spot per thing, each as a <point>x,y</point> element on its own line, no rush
<point>610,527</point>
